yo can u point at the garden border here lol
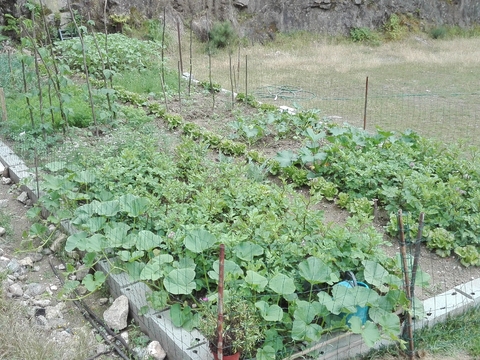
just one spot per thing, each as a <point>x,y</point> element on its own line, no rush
<point>180,344</point>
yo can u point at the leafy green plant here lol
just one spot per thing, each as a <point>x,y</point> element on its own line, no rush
<point>442,241</point>
<point>124,53</point>
<point>468,255</point>
<point>240,325</point>
<point>393,27</point>
<point>365,35</point>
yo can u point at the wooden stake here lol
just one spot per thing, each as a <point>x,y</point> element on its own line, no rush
<point>221,277</point>
<point>3,105</point>
<point>365,107</point>
<point>179,46</point>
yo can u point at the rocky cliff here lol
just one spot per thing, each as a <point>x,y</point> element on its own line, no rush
<point>259,19</point>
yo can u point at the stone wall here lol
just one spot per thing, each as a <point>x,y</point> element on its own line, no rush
<point>261,19</point>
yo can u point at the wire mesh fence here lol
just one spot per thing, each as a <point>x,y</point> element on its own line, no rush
<point>291,327</point>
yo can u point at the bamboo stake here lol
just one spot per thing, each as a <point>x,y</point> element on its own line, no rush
<point>179,86</point>
<point>85,67</point>
<point>231,78</point>
<point>190,65</point>
<point>416,255</point>
<point>179,46</point>
<point>221,278</point>
<point>403,253</point>
<point>162,72</point>
<point>3,105</point>
<point>365,107</point>
<point>246,78</point>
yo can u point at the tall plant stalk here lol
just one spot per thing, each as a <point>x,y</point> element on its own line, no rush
<point>54,79</point>
<point>85,67</point>
<point>102,61</point>
<point>162,64</point>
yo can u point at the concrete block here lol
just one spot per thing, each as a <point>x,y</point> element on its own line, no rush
<point>115,281</point>
<point>137,294</point>
<point>471,290</point>
<point>12,160</point>
<point>439,307</point>
<point>178,343</point>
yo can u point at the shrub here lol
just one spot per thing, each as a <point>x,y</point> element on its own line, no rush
<point>393,27</point>
<point>221,35</point>
<point>365,35</point>
<point>438,32</point>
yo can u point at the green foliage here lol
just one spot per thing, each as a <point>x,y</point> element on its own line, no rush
<point>364,35</point>
<point>439,32</point>
<point>221,35</point>
<point>124,53</point>
<point>165,221</point>
<point>394,28</point>
<point>240,325</point>
<point>442,241</point>
<point>468,255</point>
<point>210,87</point>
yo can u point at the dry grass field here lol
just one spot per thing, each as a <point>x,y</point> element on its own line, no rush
<point>431,86</point>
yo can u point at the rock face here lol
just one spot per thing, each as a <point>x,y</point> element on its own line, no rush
<point>260,19</point>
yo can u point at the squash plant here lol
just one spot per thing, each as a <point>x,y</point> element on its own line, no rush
<point>162,224</point>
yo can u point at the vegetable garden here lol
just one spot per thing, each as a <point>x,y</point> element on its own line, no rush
<point>158,208</point>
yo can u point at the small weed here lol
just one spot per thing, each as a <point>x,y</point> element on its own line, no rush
<point>364,35</point>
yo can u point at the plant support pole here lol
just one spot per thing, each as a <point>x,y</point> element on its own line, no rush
<point>403,253</point>
<point>179,46</point>
<point>246,78</point>
<point>221,277</point>
<point>3,105</point>
<point>365,107</point>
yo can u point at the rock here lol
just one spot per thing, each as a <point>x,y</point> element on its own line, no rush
<point>116,315</point>
<point>23,197</point>
<point>34,289</point>
<point>6,173</point>
<point>82,290</point>
<point>36,257</point>
<point>2,231</point>
<point>81,272</point>
<point>6,181</point>
<point>54,312</point>
<point>13,266</point>
<point>15,290</point>
<point>61,267</point>
<point>3,203</point>
<point>101,348</point>
<point>27,262</point>
<point>57,244</point>
<point>125,337</point>
<point>41,303</point>
<point>103,301</point>
<point>155,350</point>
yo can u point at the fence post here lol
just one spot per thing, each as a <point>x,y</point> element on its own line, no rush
<point>365,107</point>
<point>3,105</point>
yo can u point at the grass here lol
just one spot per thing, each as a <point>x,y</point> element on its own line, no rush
<point>22,340</point>
<point>427,85</point>
<point>457,333</point>
<point>451,339</point>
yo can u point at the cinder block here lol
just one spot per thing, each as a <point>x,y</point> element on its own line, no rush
<point>137,299</point>
<point>11,160</point>
<point>471,290</point>
<point>115,281</point>
<point>439,307</point>
<point>179,344</point>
